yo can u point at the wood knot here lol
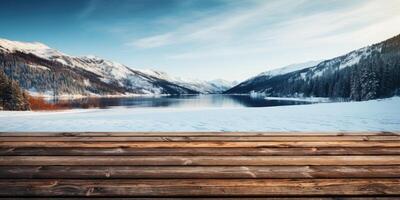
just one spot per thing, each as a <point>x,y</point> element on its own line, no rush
<point>89,191</point>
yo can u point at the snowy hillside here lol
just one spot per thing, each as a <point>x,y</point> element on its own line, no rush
<point>92,75</point>
<point>204,87</point>
<point>288,69</point>
<point>281,71</point>
<point>36,48</point>
<point>367,73</point>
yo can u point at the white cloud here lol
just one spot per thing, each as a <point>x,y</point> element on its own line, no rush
<point>153,41</point>
<point>88,10</point>
<point>359,26</point>
<point>217,27</point>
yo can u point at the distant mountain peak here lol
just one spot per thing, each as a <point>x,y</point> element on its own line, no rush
<point>36,48</point>
<point>91,57</point>
<point>202,86</point>
<point>282,70</point>
<point>290,68</point>
<point>89,74</point>
<point>17,45</point>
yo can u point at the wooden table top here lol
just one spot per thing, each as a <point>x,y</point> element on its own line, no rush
<point>211,165</point>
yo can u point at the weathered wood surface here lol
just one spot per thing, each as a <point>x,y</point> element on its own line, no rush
<point>214,198</point>
<point>215,144</point>
<point>200,160</point>
<point>198,172</point>
<point>199,187</point>
<point>200,139</point>
<point>204,151</point>
<point>195,134</point>
<point>202,165</point>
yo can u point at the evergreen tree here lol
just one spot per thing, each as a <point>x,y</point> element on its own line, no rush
<point>369,84</point>
<point>11,95</point>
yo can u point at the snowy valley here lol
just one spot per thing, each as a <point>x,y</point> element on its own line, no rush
<point>368,73</point>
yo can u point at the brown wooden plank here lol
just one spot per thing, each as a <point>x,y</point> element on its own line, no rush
<point>199,187</point>
<point>195,134</point>
<point>210,198</point>
<point>182,164</point>
<point>200,160</point>
<point>53,151</point>
<point>218,144</point>
<point>221,172</point>
<point>203,138</point>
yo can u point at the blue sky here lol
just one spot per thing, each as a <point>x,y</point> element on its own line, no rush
<point>205,39</point>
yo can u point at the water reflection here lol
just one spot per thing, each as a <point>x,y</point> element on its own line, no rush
<point>178,101</point>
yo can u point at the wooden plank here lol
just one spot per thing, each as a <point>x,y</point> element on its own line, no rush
<point>200,160</point>
<point>210,198</point>
<point>202,139</point>
<point>218,144</point>
<point>199,187</point>
<point>175,172</point>
<point>194,134</point>
<point>54,151</point>
<point>200,164</point>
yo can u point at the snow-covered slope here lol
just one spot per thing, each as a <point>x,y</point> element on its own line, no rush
<point>289,68</point>
<point>109,72</point>
<point>36,48</point>
<point>366,73</point>
<point>347,60</point>
<point>267,75</point>
<point>94,69</point>
<point>280,71</point>
<point>216,86</point>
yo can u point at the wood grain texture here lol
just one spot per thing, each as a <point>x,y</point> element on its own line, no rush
<point>200,160</point>
<point>199,187</point>
<point>211,198</point>
<point>195,134</point>
<point>216,144</point>
<point>200,165</point>
<point>197,172</point>
<point>204,151</point>
<point>199,139</point>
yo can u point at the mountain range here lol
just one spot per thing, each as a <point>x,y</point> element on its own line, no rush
<point>43,70</point>
<point>367,73</point>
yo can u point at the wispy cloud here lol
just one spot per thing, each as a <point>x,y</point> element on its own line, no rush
<point>88,10</point>
<point>349,24</point>
<point>154,41</point>
<point>214,27</point>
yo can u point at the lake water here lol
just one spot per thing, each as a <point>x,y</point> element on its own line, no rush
<point>191,101</point>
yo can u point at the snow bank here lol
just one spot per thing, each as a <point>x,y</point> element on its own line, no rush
<point>305,99</point>
<point>376,115</point>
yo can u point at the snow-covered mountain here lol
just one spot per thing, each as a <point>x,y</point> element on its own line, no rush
<point>216,86</point>
<point>366,73</point>
<point>42,69</point>
<point>280,71</point>
<point>288,69</point>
